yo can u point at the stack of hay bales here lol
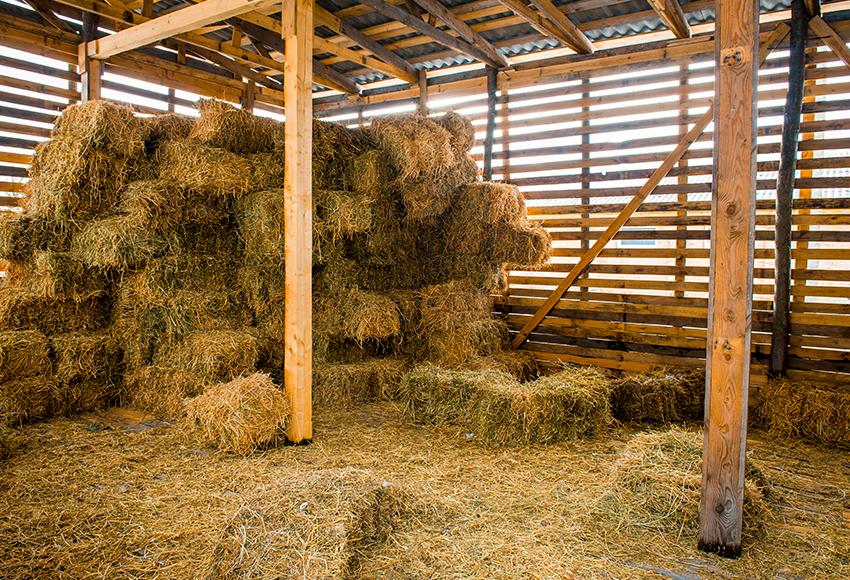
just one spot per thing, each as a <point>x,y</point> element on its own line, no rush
<point>149,257</point>
<point>793,409</point>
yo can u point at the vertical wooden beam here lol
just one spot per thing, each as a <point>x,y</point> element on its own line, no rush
<point>297,31</point>
<point>785,191</point>
<point>803,263</point>
<point>731,277</point>
<point>171,96</point>
<point>249,92</point>
<point>504,124</point>
<point>422,103</point>
<point>682,198</point>
<point>585,156</point>
<point>90,70</point>
<point>492,81</point>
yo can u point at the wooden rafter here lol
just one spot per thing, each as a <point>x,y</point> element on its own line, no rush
<point>626,213</point>
<point>422,27</point>
<point>831,38</point>
<point>435,7</point>
<point>671,13</point>
<point>228,64</point>
<point>577,39</point>
<point>43,10</point>
<point>542,24</point>
<point>172,24</point>
<point>322,45</point>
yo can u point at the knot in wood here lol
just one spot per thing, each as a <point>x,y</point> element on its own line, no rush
<point>732,56</point>
<point>731,208</point>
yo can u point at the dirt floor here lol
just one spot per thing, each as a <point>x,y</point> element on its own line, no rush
<point>105,496</point>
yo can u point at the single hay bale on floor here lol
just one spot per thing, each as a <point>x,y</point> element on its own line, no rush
<point>21,235</point>
<point>460,129</point>
<point>661,396</point>
<point>60,276</point>
<point>120,242</point>
<point>794,409</point>
<point>340,384</point>
<point>438,396</point>
<point>70,181</point>
<point>237,130</point>
<point>166,127</point>
<point>28,399</point>
<point>161,391</point>
<point>86,357</point>
<point>204,170</point>
<point>570,404</point>
<point>415,145</point>
<point>21,309</point>
<point>162,206</point>
<point>525,245</point>
<point>103,126</point>
<point>23,353</point>
<point>320,528</point>
<point>219,355</point>
<point>655,485</point>
<point>242,415</point>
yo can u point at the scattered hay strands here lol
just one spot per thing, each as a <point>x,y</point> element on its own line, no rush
<point>791,409</point>
<point>655,485</point>
<point>240,416</point>
<point>10,441</point>
<point>24,353</point>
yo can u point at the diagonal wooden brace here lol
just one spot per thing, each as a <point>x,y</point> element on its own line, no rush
<point>626,213</point>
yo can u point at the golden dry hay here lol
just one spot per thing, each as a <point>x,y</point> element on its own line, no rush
<point>9,442</point>
<point>370,173</point>
<point>161,206</point>
<point>237,130</point>
<point>662,395</point>
<point>415,145</point>
<point>795,409</point>
<point>28,399</point>
<point>85,357</point>
<point>357,315</point>
<point>260,219</point>
<point>21,235</point>
<point>59,275</point>
<point>120,242</point>
<point>267,170</point>
<point>340,213</point>
<point>21,309</point>
<point>524,245</point>
<point>166,127</point>
<point>346,384</point>
<point>103,126</point>
<point>161,391</point>
<point>655,485</point>
<point>207,171</point>
<point>240,416</point>
<point>23,353</point>
<point>218,355</point>
<point>461,130</point>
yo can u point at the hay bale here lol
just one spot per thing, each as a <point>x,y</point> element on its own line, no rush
<point>259,216</point>
<point>60,275</point>
<point>662,395</point>
<point>161,391</point>
<point>341,213</point>
<point>205,170</point>
<point>242,415</point>
<point>267,170</point>
<point>23,353</point>
<point>520,364</point>
<point>88,395</point>
<point>334,145</point>
<point>219,355</point>
<point>320,527</point>
<point>28,399</point>
<point>461,130</point>
<point>237,130</point>
<point>103,126</point>
<point>162,206</point>
<point>438,396</point>
<point>10,442</point>
<point>370,174</point>
<point>525,245</point>
<point>415,145</point>
<point>22,234</point>
<point>166,127</point>
<point>340,384</point>
<point>655,485</point>
<point>120,242</point>
<point>570,404</point>
<point>21,309</point>
<point>70,181</point>
<point>795,409</point>
<point>82,357</point>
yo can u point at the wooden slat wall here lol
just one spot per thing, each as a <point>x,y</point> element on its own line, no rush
<point>579,140</point>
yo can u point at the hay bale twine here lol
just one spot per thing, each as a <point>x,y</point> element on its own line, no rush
<point>815,413</point>
<point>24,353</point>
<point>237,130</point>
<point>655,485</point>
<point>240,416</point>
<point>321,526</point>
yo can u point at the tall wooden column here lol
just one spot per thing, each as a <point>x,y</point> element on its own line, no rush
<point>492,80</point>
<point>297,30</point>
<point>90,70</point>
<point>730,290</point>
<point>785,191</point>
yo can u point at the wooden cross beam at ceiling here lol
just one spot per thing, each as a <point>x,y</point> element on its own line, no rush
<point>780,32</point>
<point>172,24</point>
<point>436,8</point>
<point>671,13</point>
<point>227,64</point>
<point>422,27</point>
<point>43,9</point>
<point>578,39</point>
<point>574,39</point>
<point>831,38</point>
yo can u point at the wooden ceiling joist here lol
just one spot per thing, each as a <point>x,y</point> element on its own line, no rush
<point>172,24</point>
<point>435,7</point>
<point>43,9</point>
<point>671,13</point>
<point>422,27</point>
<point>546,27</point>
<point>228,64</point>
<point>577,39</point>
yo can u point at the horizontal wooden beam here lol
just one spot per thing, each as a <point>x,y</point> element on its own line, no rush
<point>172,24</point>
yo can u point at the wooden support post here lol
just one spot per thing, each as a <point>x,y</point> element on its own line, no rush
<point>585,156</point>
<point>422,104</point>
<point>785,191</point>
<point>492,81</point>
<point>682,198</point>
<point>90,70</point>
<point>297,31</point>
<point>803,263</point>
<point>171,96</point>
<point>504,124</point>
<point>249,91</point>
<point>731,277</point>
